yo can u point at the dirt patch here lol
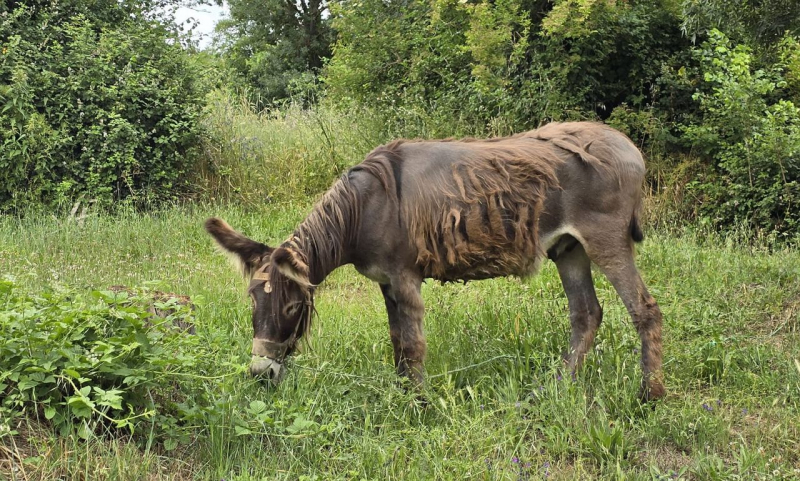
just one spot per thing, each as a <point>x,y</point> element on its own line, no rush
<point>668,458</point>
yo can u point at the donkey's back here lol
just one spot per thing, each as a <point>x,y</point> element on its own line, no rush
<point>476,209</point>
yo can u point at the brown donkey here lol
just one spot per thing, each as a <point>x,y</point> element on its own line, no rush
<point>463,210</point>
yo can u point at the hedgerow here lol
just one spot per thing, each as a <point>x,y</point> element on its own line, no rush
<point>100,104</point>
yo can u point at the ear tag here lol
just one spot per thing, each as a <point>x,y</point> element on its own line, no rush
<point>267,287</point>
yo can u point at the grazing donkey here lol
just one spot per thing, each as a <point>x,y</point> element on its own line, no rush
<point>463,210</point>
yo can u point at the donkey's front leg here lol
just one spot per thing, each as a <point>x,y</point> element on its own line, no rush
<point>405,308</point>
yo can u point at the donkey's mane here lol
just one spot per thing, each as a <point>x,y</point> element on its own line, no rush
<point>320,240</point>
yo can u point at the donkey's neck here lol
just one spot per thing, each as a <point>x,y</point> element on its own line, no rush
<point>319,256</point>
<point>328,233</point>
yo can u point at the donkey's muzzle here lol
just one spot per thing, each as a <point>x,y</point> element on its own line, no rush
<point>264,362</point>
<point>266,368</point>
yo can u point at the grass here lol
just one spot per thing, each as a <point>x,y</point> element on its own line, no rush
<point>498,406</point>
<point>254,156</point>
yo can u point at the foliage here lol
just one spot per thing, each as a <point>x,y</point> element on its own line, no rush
<point>95,365</point>
<point>756,23</point>
<point>277,46</point>
<point>97,103</point>
<point>609,52</point>
<point>752,142</point>
<point>451,63</point>
<point>500,66</point>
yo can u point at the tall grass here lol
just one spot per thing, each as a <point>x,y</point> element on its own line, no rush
<point>257,157</point>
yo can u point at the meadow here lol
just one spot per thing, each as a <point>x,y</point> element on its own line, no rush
<point>498,405</point>
<point>120,136</point>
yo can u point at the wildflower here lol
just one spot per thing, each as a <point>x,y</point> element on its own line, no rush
<point>515,460</point>
<point>744,412</point>
<point>558,377</point>
<point>707,407</point>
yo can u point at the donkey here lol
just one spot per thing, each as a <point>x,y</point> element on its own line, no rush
<point>460,210</point>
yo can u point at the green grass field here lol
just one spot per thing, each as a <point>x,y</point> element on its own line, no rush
<point>498,406</point>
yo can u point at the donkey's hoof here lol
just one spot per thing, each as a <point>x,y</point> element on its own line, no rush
<point>651,393</point>
<point>420,401</point>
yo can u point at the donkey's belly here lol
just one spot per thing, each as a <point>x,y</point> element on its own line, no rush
<point>486,265</point>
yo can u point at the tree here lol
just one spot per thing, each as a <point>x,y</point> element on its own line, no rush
<point>754,22</point>
<point>276,45</point>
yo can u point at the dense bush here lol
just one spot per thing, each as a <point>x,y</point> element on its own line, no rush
<point>100,103</point>
<point>749,138</point>
<point>96,364</point>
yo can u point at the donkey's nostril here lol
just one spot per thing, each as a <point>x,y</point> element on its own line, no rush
<point>266,368</point>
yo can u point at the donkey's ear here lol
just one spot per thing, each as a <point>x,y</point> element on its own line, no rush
<point>247,253</point>
<point>291,265</point>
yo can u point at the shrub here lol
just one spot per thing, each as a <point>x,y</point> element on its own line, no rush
<point>103,107</point>
<point>750,142</point>
<point>95,364</point>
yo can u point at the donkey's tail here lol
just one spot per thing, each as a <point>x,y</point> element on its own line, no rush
<point>636,230</point>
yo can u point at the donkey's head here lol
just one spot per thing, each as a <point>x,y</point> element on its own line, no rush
<point>281,293</point>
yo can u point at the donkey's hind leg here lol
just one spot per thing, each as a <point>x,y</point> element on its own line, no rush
<point>618,265</point>
<point>585,313</point>
<point>406,310</point>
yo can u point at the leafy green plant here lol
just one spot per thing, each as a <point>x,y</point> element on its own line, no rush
<point>606,442</point>
<point>282,419</point>
<point>714,359</point>
<point>94,364</point>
